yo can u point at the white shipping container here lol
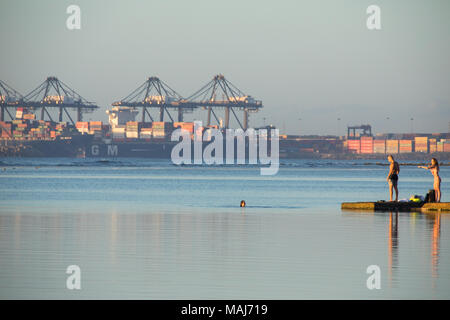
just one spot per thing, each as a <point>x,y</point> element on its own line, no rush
<point>118,135</point>
<point>159,134</point>
<point>132,134</point>
<point>145,136</point>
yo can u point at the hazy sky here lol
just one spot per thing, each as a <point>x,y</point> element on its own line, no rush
<point>314,60</point>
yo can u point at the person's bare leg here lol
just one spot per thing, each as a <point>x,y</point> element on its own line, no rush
<point>396,192</point>
<point>437,191</point>
<point>390,190</point>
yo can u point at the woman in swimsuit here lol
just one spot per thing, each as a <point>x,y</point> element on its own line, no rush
<point>434,168</point>
<point>392,178</point>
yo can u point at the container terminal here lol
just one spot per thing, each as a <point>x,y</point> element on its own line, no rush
<point>141,124</point>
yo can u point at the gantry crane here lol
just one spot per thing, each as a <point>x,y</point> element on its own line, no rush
<point>53,93</point>
<point>155,94</point>
<point>8,98</point>
<point>231,98</point>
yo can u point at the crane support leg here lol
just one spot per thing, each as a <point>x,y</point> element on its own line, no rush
<point>237,119</point>
<point>180,115</point>
<point>168,113</point>
<point>215,117</point>
<point>68,115</point>
<point>79,115</point>
<point>150,116</point>
<point>227,117</point>
<point>208,123</point>
<point>161,114</point>
<point>245,119</point>
<point>48,114</point>
<point>2,114</point>
<point>10,115</point>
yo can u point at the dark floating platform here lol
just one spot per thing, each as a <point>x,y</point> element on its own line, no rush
<point>397,206</point>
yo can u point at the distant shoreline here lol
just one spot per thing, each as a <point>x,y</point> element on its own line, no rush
<point>425,157</point>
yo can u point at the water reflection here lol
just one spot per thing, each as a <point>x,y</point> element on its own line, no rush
<point>422,227</point>
<point>435,237</point>
<point>170,255</point>
<point>392,245</point>
<point>434,226</point>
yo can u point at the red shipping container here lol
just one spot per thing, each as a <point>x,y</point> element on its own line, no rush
<point>6,126</point>
<point>405,149</point>
<point>354,146</point>
<point>29,116</point>
<point>405,143</point>
<point>80,124</point>
<point>366,145</point>
<point>446,146</point>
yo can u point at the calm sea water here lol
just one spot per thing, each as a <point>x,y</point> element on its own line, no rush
<point>146,229</point>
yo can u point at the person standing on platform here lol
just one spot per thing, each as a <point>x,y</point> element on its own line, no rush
<point>434,168</point>
<point>392,178</point>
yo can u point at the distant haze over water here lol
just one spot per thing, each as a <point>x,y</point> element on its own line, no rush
<point>310,62</point>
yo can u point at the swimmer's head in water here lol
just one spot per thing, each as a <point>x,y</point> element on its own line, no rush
<point>242,203</point>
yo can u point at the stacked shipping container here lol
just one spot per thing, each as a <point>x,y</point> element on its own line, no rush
<point>446,146</point>
<point>189,126</point>
<point>18,128</point>
<point>5,128</point>
<point>161,129</point>
<point>118,132</point>
<point>146,133</point>
<point>379,146</point>
<point>354,146</point>
<point>421,144</point>
<point>29,116</point>
<point>95,126</point>
<point>82,127</point>
<point>132,130</point>
<point>391,146</point>
<point>405,146</point>
<point>433,145</point>
<point>366,145</point>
